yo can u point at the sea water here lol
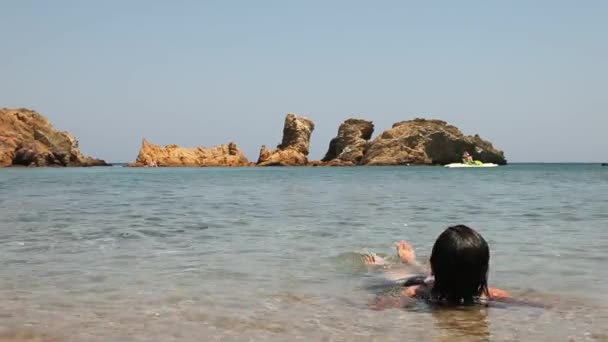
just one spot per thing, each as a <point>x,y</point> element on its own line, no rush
<point>205,254</point>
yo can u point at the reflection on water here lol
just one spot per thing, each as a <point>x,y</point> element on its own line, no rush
<point>274,254</point>
<point>464,324</point>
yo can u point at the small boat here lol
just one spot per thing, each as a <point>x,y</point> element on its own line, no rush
<point>604,164</point>
<point>458,165</point>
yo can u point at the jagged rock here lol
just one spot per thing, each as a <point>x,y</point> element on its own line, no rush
<point>27,138</point>
<point>428,142</point>
<point>264,154</point>
<point>351,142</point>
<point>294,148</point>
<point>151,155</point>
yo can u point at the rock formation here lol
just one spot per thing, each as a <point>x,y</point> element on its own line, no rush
<point>427,142</point>
<point>351,143</point>
<point>293,150</point>
<point>29,139</point>
<point>151,155</point>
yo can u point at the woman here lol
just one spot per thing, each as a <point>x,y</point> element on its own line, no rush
<point>459,265</point>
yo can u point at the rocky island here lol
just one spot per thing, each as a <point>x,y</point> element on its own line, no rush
<point>413,142</point>
<point>428,142</point>
<point>29,139</point>
<point>151,155</point>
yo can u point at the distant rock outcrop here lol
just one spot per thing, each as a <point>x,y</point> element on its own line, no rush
<point>351,143</point>
<point>294,148</point>
<point>427,142</point>
<point>151,155</point>
<point>28,139</point>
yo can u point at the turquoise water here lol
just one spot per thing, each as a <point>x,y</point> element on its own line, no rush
<point>119,254</point>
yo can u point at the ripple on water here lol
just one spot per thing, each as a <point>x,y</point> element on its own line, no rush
<point>273,254</point>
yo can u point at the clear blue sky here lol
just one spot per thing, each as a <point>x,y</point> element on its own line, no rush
<point>531,76</point>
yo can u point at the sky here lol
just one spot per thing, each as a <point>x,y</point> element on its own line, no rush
<point>530,76</point>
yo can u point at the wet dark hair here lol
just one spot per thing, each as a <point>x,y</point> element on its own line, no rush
<point>459,262</point>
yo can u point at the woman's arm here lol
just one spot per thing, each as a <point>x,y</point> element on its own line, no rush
<point>416,291</point>
<point>503,296</point>
<point>495,293</point>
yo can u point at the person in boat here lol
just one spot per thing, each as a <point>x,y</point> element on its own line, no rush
<point>457,272</point>
<point>467,158</point>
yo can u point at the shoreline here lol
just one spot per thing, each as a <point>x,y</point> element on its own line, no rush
<point>124,165</point>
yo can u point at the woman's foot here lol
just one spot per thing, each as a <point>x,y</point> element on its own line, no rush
<point>406,253</point>
<point>372,259</point>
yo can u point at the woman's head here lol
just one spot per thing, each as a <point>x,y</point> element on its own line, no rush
<point>459,262</point>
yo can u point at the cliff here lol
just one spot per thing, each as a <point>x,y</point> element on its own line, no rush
<point>28,139</point>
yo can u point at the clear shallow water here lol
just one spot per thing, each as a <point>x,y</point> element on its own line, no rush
<point>124,254</point>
